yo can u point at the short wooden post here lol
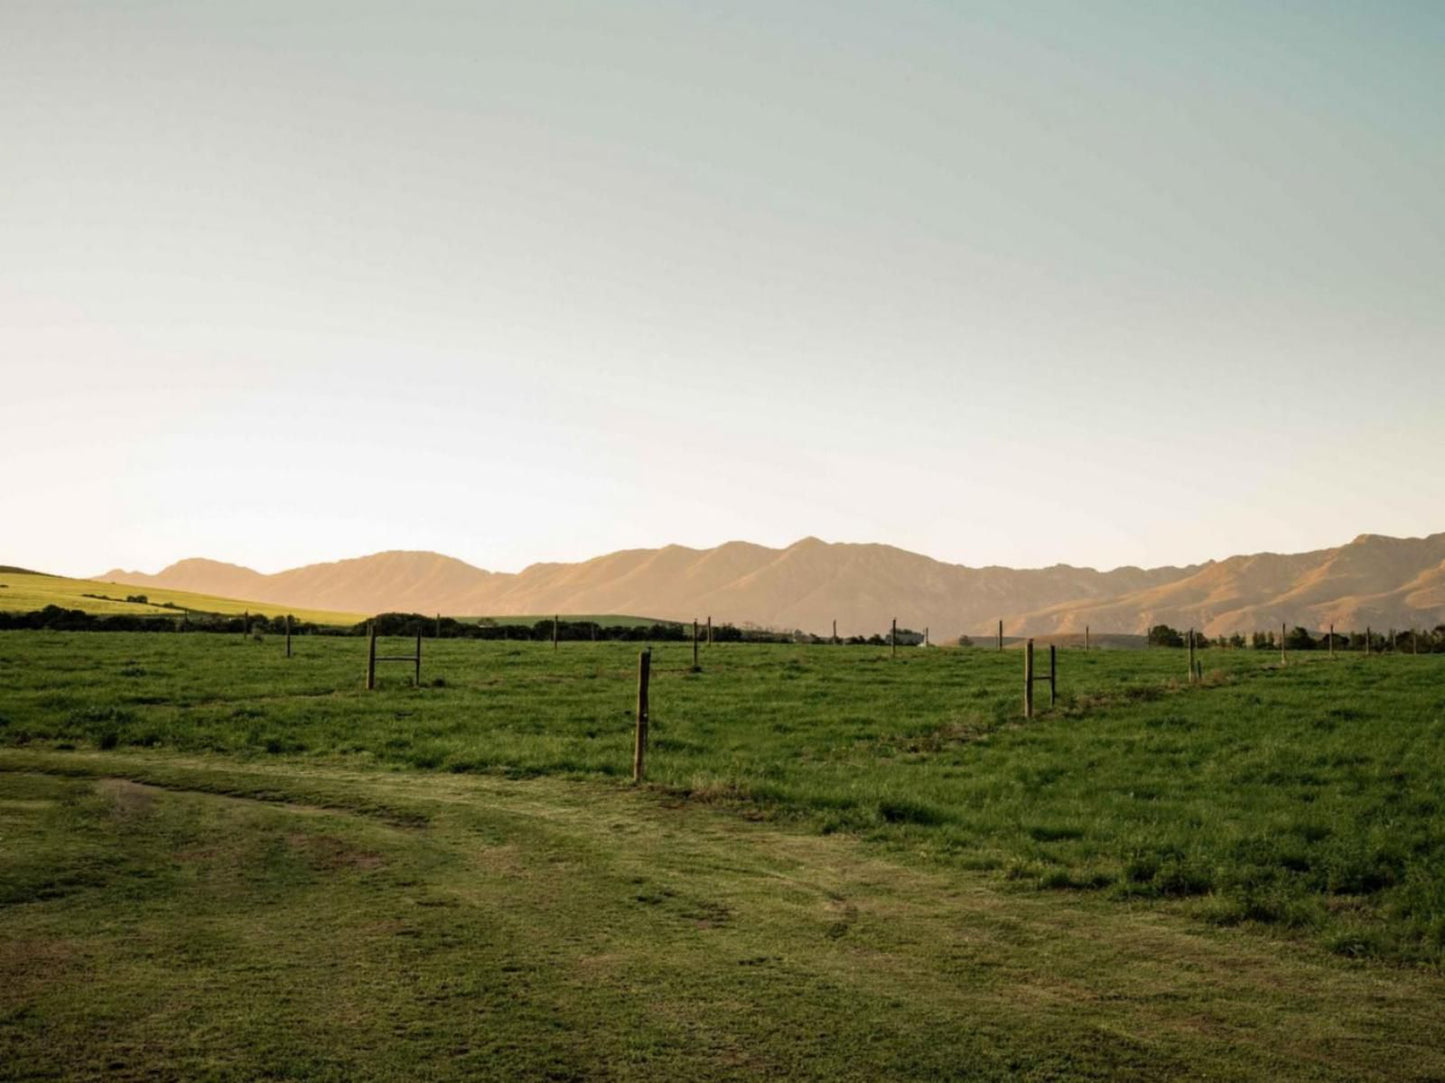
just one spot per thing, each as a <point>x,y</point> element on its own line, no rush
<point>1053,674</point>
<point>1332,641</point>
<point>416,678</point>
<point>371,656</point>
<point>709,631</point>
<point>288,635</point>
<point>1282,659</point>
<point>925,635</point>
<point>1191,656</point>
<point>893,638</point>
<point>835,632</point>
<point>1029,679</point>
<point>556,619</point>
<point>639,741</point>
<point>695,667</point>
<point>1086,639</point>
<point>1000,635</point>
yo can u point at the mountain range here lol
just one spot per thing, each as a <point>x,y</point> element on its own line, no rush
<point>1373,580</point>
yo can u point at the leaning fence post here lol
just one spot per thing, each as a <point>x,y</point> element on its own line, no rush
<point>639,741</point>
<point>371,655</point>
<point>1029,679</point>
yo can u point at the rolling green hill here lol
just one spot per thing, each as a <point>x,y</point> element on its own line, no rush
<point>22,592</point>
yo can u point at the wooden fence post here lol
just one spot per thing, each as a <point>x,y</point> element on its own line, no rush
<point>371,655</point>
<point>695,667</point>
<point>1191,656</point>
<point>709,630</point>
<point>1282,659</point>
<point>1000,635</point>
<point>439,626</point>
<point>925,635</point>
<point>1086,639</point>
<point>288,635</point>
<point>1053,674</point>
<point>835,632</point>
<point>639,741</point>
<point>416,679</point>
<point>556,619</point>
<point>893,638</point>
<point>1332,642</point>
<point>1029,679</point>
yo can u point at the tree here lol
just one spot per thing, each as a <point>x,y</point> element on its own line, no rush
<point>1161,635</point>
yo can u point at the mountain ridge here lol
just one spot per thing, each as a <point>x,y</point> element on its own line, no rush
<point>1373,579</point>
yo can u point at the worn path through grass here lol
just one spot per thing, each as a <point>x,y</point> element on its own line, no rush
<point>187,916</point>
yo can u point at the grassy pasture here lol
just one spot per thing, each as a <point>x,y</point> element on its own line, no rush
<point>218,862</point>
<point>23,592</point>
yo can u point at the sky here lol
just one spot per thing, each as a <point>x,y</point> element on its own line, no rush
<point>1011,282</point>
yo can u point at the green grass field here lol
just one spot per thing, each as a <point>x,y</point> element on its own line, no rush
<point>24,592</point>
<point>215,861</point>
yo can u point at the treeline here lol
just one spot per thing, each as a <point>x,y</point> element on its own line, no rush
<point>418,624</point>
<point>57,619</point>
<point>1300,639</point>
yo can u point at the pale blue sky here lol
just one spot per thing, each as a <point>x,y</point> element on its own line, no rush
<point>1010,283</point>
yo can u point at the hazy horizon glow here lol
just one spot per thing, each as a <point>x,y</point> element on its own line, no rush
<point>1000,283</point>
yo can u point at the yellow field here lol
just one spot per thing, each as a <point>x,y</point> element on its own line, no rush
<point>21,592</point>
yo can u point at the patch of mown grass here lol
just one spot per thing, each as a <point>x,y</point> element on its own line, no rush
<point>547,929</point>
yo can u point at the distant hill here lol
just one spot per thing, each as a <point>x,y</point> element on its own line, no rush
<point>1372,580</point>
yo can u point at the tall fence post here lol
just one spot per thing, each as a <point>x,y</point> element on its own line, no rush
<point>371,655</point>
<point>288,635</point>
<point>1029,679</point>
<point>695,667</point>
<point>893,638</point>
<point>639,740</point>
<point>1053,674</point>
